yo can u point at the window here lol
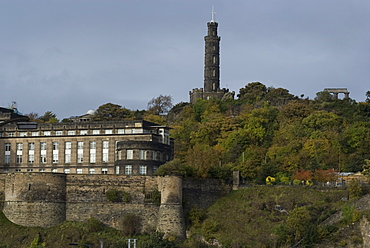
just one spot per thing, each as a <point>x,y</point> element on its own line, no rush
<point>11,134</point>
<point>68,145</point>
<point>55,152</point>
<point>79,171</point>
<point>154,155</point>
<point>117,170</point>
<point>155,168</point>
<point>43,146</point>
<point>105,144</point>
<point>19,159</point>
<point>142,154</point>
<point>58,133</point>
<point>96,131</point>
<point>29,170</point>
<point>66,171</point>
<point>34,133</point>
<point>43,152</point>
<point>80,151</point>
<point>105,151</point>
<point>121,131</point>
<point>19,147</point>
<point>130,154</point>
<point>92,151</point>
<point>31,146</point>
<point>43,158</point>
<point>67,152</point>
<point>83,132</point>
<point>7,153</point>
<point>47,133</point>
<point>91,171</point>
<point>23,134</point>
<point>18,170</point>
<point>31,157</point>
<point>71,132</point>
<point>55,146</point>
<point>104,171</point>
<point>54,170</point>
<point>108,131</point>
<point>92,145</point>
<point>128,170</point>
<point>41,170</point>
<point>142,170</point>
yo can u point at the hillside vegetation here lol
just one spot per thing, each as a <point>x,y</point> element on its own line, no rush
<point>269,132</point>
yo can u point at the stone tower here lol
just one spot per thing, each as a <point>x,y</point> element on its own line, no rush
<point>211,67</point>
<point>212,58</point>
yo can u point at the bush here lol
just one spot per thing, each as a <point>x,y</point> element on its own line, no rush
<point>355,188</point>
<point>196,216</point>
<point>156,240</point>
<point>94,225</point>
<point>114,195</point>
<point>130,224</point>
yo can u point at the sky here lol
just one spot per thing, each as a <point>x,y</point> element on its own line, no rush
<point>70,56</point>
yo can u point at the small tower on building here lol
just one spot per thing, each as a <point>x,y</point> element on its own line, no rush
<point>211,67</point>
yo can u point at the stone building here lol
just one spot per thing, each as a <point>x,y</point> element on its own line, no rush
<point>211,68</point>
<point>130,147</point>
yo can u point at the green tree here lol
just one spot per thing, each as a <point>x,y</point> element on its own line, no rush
<point>111,112</point>
<point>48,117</point>
<point>252,92</point>
<point>297,222</point>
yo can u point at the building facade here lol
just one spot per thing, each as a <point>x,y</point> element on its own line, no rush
<point>211,68</point>
<point>130,147</point>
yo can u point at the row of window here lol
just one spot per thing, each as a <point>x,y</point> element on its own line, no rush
<point>92,151</point>
<point>67,170</point>
<point>55,152</point>
<point>74,132</point>
<point>143,170</point>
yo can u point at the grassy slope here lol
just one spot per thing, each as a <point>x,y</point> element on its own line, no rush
<point>247,217</point>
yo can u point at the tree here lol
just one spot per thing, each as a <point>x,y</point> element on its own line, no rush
<point>111,112</point>
<point>160,105</point>
<point>323,96</point>
<point>49,117</point>
<point>252,92</point>
<point>368,96</point>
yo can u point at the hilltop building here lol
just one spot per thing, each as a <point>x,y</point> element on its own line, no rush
<point>130,147</point>
<point>211,68</point>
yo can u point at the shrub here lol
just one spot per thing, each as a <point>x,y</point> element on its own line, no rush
<point>355,188</point>
<point>94,225</point>
<point>196,216</point>
<point>114,195</point>
<point>130,224</point>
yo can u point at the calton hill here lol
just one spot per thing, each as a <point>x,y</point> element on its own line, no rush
<point>302,166</point>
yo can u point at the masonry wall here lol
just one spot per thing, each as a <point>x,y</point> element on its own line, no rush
<point>86,197</point>
<point>47,199</point>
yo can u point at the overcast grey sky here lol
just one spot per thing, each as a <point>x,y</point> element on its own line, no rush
<point>69,56</point>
